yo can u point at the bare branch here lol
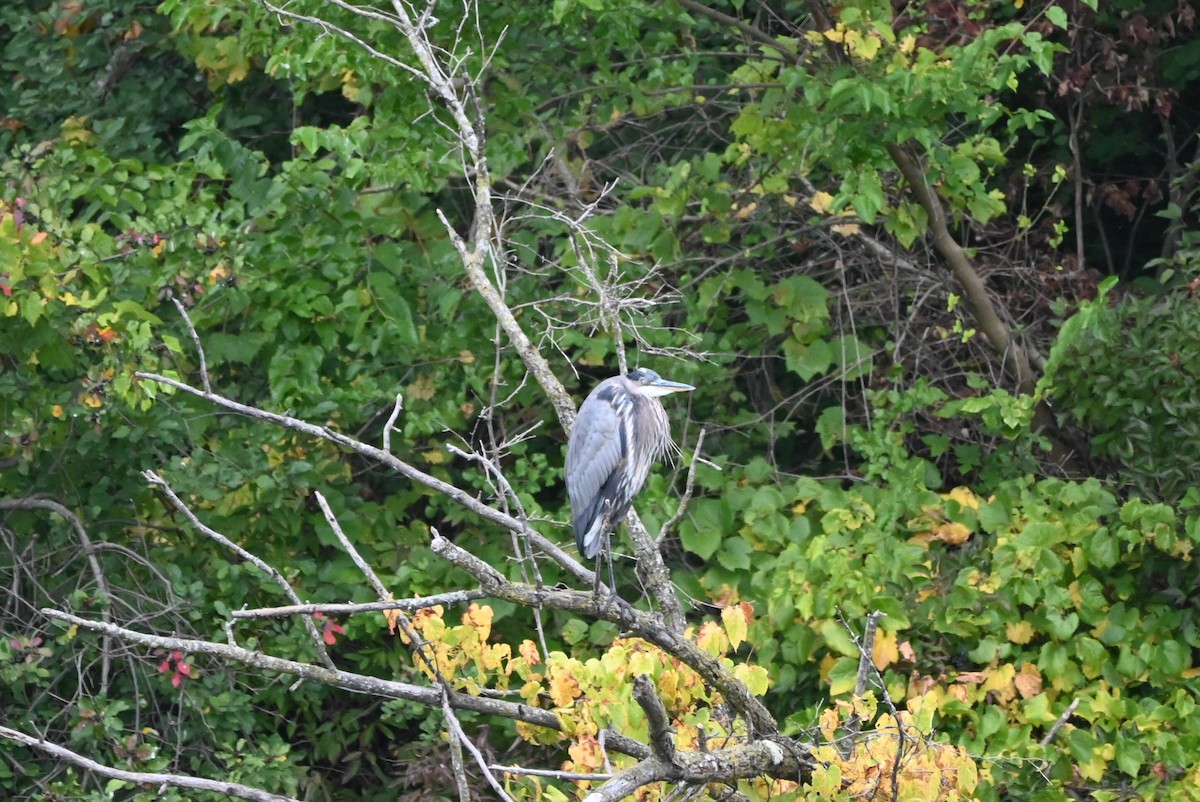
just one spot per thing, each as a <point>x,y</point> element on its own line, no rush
<point>657,721</point>
<point>407,605</point>
<point>1058,725</point>
<point>460,737</point>
<point>689,487</point>
<point>866,660</point>
<point>270,571</point>
<point>372,577</point>
<point>346,680</point>
<point>331,28</point>
<point>391,422</point>
<point>89,551</point>
<point>383,457</point>
<point>551,773</point>
<point>196,341</point>
<point>221,787</point>
<point>1004,345</point>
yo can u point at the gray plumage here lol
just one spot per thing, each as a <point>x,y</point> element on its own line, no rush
<point>621,430</point>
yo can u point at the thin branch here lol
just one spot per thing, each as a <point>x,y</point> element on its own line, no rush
<point>372,577</point>
<point>1062,720</point>
<point>1004,345</point>
<point>272,574</point>
<point>331,28</point>
<point>746,28</point>
<point>389,460</point>
<point>554,774</point>
<point>407,605</point>
<point>689,487</point>
<point>458,768</point>
<point>866,659</point>
<point>220,787</point>
<point>346,680</point>
<point>195,341</point>
<point>457,735</point>
<point>89,551</point>
<point>391,422</point>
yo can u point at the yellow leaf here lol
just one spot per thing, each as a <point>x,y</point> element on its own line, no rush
<point>434,456</point>
<point>529,651</point>
<point>56,410</point>
<point>422,389</point>
<point>712,639</point>
<point>999,677</point>
<point>586,753</point>
<point>479,618</point>
<point>820,202</point>
<point>564,686</point>
<point>846,229</point>
<point>745,211</point>
<point>955,534</point>
<point>885,650</point>
<point>736,619</point>
<point>964,497</point>
<point>755,678</point>
<point>72,631</point>
<point>1020,632</point>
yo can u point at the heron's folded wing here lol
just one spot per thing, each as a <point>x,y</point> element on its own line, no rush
<point>596,448</point>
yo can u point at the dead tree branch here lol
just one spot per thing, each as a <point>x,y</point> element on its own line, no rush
<point>221,787</point>
<point>241,552</point>
<point>89,551</point>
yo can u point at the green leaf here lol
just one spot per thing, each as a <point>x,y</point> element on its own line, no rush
<point>708,521</point>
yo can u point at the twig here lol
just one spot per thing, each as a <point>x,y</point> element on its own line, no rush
<point>337,678</point>
<point>457,734</point>
<point>865,655</point>
<point>219,787</point>
<point>1062,720</point>
<point>458,738</point>
<point>89,550</point>
<point>196,341</point>
<point>276,577</point>
<point>866,658</point>
<point>458,768</point>
<point>407,605</point>
<point>553,774</point>
<point>383,457</point>
<point>391,422</point>
<point>866,662</point>
<point>681,510</point>
<point>368,572</point>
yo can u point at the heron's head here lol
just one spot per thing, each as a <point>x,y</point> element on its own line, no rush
<point>646,382</point>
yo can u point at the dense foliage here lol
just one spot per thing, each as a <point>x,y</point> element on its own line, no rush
<point>724,195</point>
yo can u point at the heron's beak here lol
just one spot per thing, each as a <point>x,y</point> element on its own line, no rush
<point>664,387</point>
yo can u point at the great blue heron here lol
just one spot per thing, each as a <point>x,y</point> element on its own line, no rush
<point>622,428</point>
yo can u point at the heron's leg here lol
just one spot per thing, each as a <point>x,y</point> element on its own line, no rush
<point>603,556</point>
